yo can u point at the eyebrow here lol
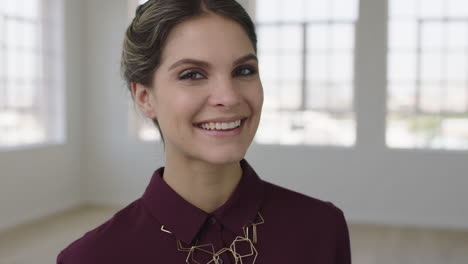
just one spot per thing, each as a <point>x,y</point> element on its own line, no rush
<point>200,63</point>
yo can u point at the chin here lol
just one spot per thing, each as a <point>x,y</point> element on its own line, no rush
<point>223,157</point>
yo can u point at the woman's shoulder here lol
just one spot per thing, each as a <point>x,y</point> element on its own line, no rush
<point>294,202</point>
<point>94,243</point>
<point>311,227</point>
<point>308,219</point>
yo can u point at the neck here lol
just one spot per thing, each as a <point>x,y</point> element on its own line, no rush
<point>205,186</point>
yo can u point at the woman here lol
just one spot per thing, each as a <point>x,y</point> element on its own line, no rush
<point>191,67</point>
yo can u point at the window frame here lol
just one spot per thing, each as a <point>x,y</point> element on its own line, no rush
<point>49,105</point>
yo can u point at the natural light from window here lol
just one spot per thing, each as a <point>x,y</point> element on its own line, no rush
<point>31,72</point>
<point>306,53</point>
<point>428,74</point>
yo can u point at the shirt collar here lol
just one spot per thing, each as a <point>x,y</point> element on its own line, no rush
<point>185,220</point>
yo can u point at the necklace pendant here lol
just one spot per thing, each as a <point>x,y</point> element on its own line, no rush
<point>241,249</point>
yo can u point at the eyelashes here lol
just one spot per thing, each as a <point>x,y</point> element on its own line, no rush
<point>243,71</point>
<point>191,75</point>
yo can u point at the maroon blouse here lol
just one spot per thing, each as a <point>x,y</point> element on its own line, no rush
<point>160,227</point>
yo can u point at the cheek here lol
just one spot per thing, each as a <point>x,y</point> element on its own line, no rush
<point>188,103</point>
<point>256,97</point>
<point>260,96</point>
<point>180,107</point>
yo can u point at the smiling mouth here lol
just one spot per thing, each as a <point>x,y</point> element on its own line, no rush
<point>220,126</point>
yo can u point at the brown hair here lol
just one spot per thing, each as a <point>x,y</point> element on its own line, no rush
<point>146,35</point>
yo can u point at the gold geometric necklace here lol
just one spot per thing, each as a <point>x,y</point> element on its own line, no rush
<point>233,249</point>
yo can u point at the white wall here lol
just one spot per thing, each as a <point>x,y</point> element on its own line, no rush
<point>117,167</point>
<point>38,181</point>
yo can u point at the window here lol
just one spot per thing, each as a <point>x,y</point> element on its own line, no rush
<point>428,74</point>
<point>31,72</point>
<point>306,54</point>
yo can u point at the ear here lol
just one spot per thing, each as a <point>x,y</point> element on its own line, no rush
<point>144,99</point>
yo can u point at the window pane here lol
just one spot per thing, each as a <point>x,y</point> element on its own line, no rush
<point>291,38</point>
<point>439,91</point>
<point>342,36</point>
<point>318,37</point>
<point>428,131</point>
<point>269,66</point>
<point>336,96</point>
<point>456,67</point>
<point>431,65</point>
<point>30,8</point>
<point>29,36</point>
<point>403,8</point>
<point>457,36</point>
<point>315,107</point>
<point>453,133</point>
<point>267,10</point>
<point>430,100</point>
<point>317,95</point>
<point>309,127</point>
<point>20,128</point>
<point>268,39</point>
<point>401,97</point>
<point>431,8</point>
<point>272,96</point>
<point>30,69</point>
<point>342,67</point>
<point>14,63</point>
<point>403,35</point>
<point>409,132</point>
<point>268,132</point>
<point>14,7</point>
<point>342,97</point>
<point>26,94</point>
<point>328,129</point>
<point>292,10</point>
<point>291,67</point>
<point>318,9</point>
<point>432,36</point>
<point>29,113</point>
<point>402,66</point>
<point>344,9</point>
<point>456,98</point>
<point>290,94</point>
<point>457,8</point>
<point>318,67</point>
<point>13,33</point>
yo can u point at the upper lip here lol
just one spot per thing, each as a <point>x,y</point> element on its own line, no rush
<point>221,120</point>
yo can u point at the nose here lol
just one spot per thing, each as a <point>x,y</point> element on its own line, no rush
<point>225,93</point>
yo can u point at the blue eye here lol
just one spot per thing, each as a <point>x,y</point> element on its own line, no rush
<point>192,75</point>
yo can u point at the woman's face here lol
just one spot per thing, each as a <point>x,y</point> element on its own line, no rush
<point>207,94</point>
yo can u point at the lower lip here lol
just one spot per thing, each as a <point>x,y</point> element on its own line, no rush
<point>224,133</point>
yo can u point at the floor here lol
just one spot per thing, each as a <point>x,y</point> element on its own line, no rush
<point>40,242</point>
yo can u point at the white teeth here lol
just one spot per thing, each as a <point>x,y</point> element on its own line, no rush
<point>220,125</point>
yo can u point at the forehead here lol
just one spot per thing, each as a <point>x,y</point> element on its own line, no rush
<point>208,37</point>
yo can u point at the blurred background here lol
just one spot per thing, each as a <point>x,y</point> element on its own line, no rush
<point>366,102</point>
